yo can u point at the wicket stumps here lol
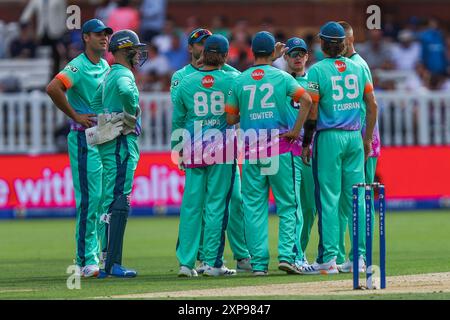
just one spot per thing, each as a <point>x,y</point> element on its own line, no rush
<point>368,187</point>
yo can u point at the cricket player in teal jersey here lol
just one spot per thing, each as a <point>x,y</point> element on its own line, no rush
<point>338,87</point>
<point>258,102</point>
<point>118,98</point>
<point>235,230</point>
<point>79,80</point>
<point>369,165</point>
<point>296,58</point>
<point>199,112</point>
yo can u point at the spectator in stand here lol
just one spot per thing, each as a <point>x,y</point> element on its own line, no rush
<point>153,17</point>
<point>219,25</point>
<point>240,54</point>
<point>433,48</point>
<point>376,51</point>
<point>192,23</point>
<point>104,11</point>
<point>241,31</point>
<point>390,27</point>
<point>157,63</point>
<point>124,16</point>
<point>164,40</point>
<point>50,24</point>
<point>177,55</point>
<point>23,47</point>
<point>406,54</point>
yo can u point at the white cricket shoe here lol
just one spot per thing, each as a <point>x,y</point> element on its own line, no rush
<point>347,266</point>
<point>91,270</point>
<point>302,262</point>
<point>215,272</point>
<point>321,268</point>
<point>244,265</point>
<point>185,272</point>
<point>201,267</point>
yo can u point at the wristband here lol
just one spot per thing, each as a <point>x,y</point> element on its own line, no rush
<point>310,127</point>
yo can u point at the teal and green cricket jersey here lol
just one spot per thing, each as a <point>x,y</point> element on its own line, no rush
<point>120,156</point>
<point>185,71</point>
<point>338,86</point>
<point>370,167</point>
<point>199,108</point>
<point>259,97</point>
<point>305,182</point>
<point>235,230</point>
<point>294,107</point>
<point>81,77</point>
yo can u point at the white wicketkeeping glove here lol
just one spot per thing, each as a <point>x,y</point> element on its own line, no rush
<point>108,128</point>
<point>129,122</point>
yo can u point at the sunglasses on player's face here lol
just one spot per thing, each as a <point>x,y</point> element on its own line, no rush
<point>297,53</point>
<point>200,33</point>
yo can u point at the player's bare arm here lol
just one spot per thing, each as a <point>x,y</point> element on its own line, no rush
<point>56,92</point>
<point>310,127</point>
<point>371,118</point>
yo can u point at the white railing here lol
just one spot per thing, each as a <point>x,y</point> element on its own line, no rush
<point>28,121</point>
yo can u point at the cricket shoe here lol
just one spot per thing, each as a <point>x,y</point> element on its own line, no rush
<point>91,270</point>
<point>243,265</point>
<point>201,268</point>
<point>216,272</point>
<point>185,272</point>
<point>290,268</point>
<point>321,268</point>
<point>303,262</point>
<point>118,271</point>
<point>260,273</point>
<point>347,266</point>
<point>102,260</point>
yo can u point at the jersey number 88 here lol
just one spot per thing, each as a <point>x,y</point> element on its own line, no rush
<point>217,102</point>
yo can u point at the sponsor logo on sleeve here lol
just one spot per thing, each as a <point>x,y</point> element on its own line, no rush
<point>72,68</point>
<point>313,86</point>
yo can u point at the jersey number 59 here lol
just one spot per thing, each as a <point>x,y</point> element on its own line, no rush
<point>351,86</point>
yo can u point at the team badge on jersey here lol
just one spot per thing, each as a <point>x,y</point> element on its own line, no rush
<point>208,81</point>
<point>72,68</point>
<point>295,105</point>
<point>258,74</point>
<point>340,65</point>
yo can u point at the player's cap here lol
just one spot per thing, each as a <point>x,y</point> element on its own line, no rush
<point>216,43</point>
<point>198,35</point>
<point>95,25</point>
<point>263,42</point>
<point>296,44</point>
<point>332,32</point>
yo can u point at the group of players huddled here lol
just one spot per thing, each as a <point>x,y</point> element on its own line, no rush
<point>270,124</point>
<point>264,121</point>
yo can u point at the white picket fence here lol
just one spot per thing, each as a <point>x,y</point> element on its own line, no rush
<point>28,121</point>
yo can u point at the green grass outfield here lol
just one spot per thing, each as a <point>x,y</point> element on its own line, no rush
<point>34,256</point>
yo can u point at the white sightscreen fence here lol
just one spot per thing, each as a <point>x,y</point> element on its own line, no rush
<point>31,124</point>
